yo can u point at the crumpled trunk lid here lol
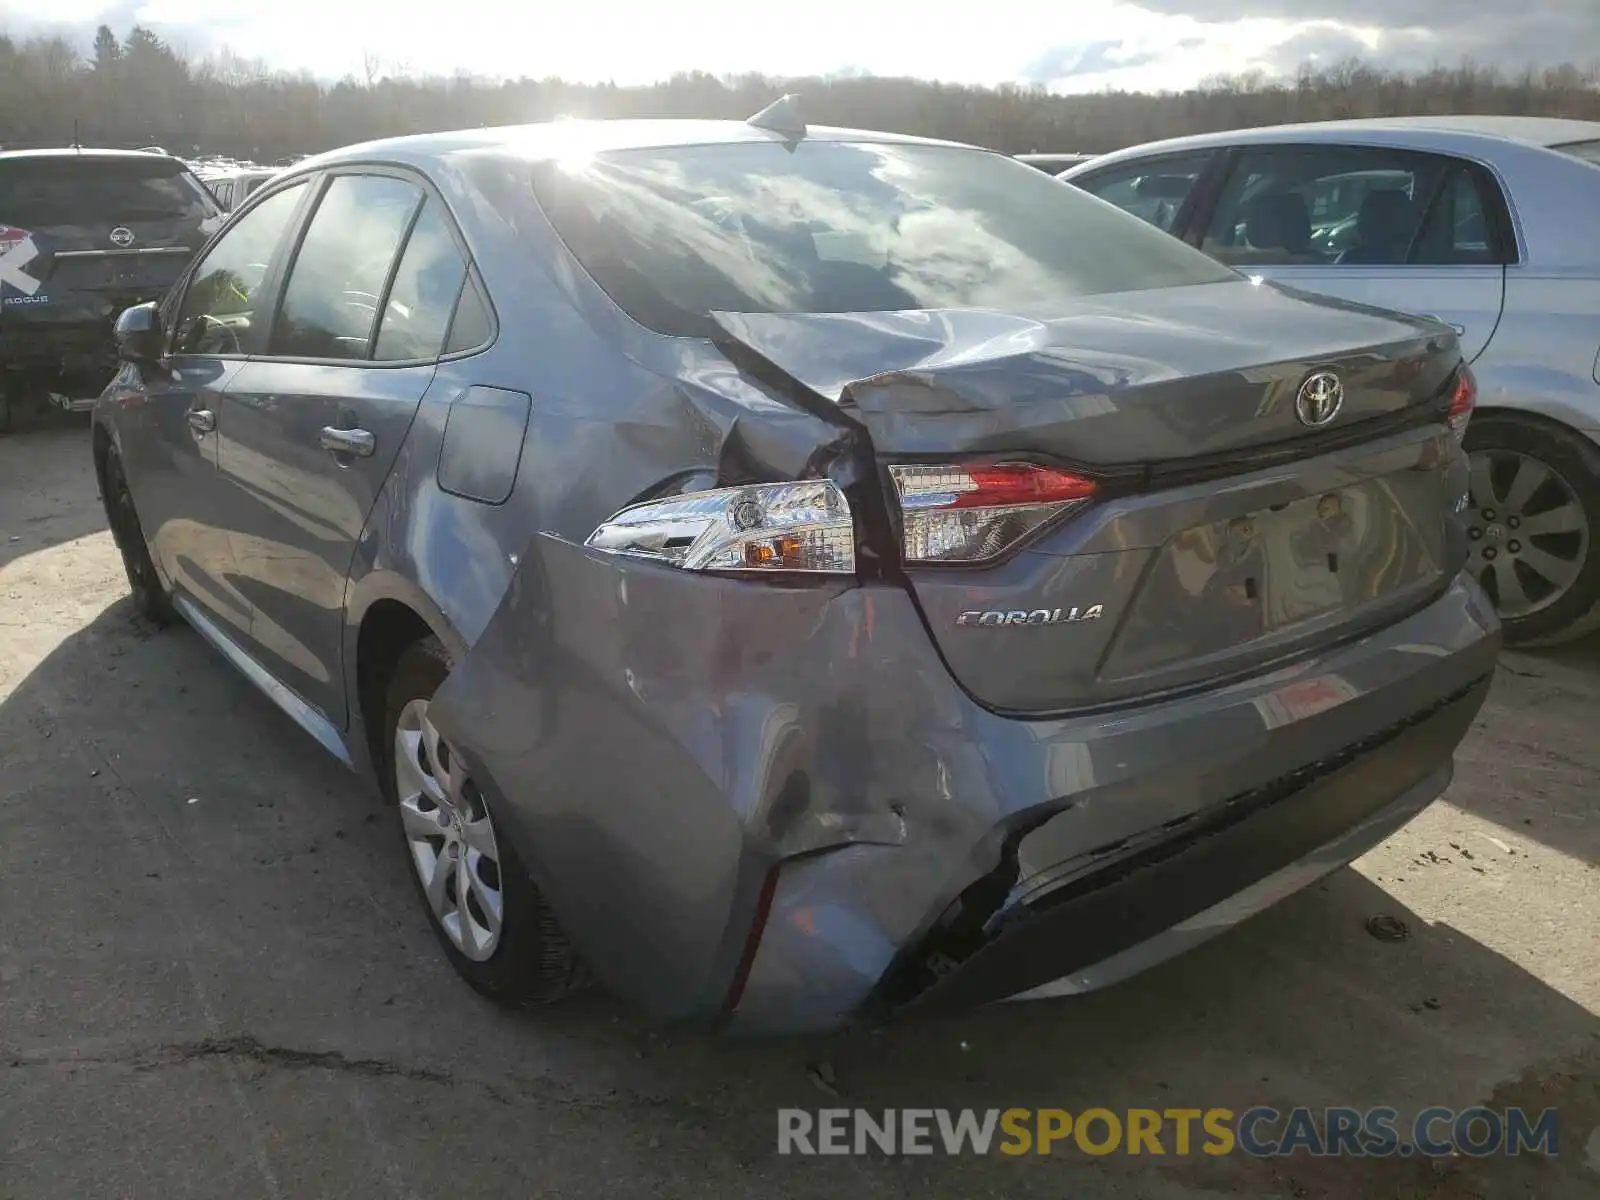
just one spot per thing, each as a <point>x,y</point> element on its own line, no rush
<point>1144,377</point>
<point>1228,531</point>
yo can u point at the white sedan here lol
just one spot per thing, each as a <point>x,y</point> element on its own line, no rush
<point>1487,223</point>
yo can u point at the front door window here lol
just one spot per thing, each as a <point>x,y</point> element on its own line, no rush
<point>219,312</point>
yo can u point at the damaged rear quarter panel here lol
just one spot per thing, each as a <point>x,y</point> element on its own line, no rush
<point>657,740</point>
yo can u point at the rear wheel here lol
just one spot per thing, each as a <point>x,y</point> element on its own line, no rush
<point>494,926</point>
<point>1532,518</point>
<point>148,595</point>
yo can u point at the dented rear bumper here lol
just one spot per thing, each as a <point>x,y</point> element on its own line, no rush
<point>774,805</point>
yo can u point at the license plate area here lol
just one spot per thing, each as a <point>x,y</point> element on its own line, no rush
<point>115,279</point>
<point>1282,565</point>
<point>1307,563</point>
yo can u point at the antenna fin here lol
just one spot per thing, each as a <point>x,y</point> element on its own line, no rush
<point>782,117</point>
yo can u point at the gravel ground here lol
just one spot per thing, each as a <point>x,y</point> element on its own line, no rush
<point>214,981</point>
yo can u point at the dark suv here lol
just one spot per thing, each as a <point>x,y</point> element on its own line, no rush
<point>83,235</point>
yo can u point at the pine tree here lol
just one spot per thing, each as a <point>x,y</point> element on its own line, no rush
<point>107,50</point>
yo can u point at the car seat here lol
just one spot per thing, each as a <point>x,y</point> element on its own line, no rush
<point>1385,223</point>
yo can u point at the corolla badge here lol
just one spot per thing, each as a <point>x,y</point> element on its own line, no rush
<point>122,236</point>
<point>1321,396</point>
<point>1038,616</point>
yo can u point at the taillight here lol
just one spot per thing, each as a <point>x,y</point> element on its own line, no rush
<point>1462,401</point>
<point>973,512</point>
<point>802,526</point>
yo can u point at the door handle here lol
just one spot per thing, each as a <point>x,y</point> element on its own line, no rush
<point>202,420</point>
<point>357,442</point>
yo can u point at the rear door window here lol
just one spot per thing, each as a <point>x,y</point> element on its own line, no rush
<point>1324,206</point>
<point>424,291</point>
<point>1458,229</point>
<point>41,193</point>
<point>471,327</point>
<point>330,303</point>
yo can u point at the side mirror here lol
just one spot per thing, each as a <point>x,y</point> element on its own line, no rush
<point>139,336</point>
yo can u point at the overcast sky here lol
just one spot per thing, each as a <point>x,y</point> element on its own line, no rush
<point>1070,45</point>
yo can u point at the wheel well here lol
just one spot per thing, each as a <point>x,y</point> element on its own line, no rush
<point>387,628</point>
<point>1525,415</point>
<point>1490,410</point>
<point>102,451</point>
<point>1588,446</point>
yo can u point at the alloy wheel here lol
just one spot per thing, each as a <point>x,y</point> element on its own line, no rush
<point>1528,534</point>
<point>450,835</point>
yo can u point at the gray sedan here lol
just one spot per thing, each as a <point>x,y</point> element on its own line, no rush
<point>794,575</point>
<point>1485,222</point>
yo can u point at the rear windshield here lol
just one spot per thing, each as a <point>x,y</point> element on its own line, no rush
<point>674,234</point>
<point>1588,151</point>
<point>40,193</point>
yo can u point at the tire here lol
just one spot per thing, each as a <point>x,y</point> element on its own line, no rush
<point>1517,571</point>
<point>529,960</point>
<point>149,598</point>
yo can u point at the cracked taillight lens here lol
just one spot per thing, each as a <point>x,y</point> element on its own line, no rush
<point>974,512</point>
<point>801,526</point>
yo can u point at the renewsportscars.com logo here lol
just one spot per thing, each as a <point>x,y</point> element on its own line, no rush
<point>1259,1132</point>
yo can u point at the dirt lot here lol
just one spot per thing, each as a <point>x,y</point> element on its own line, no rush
<point>214,982</point>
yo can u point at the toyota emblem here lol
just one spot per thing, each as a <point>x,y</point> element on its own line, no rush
<point>1321,396</point>
<point>122,236</point>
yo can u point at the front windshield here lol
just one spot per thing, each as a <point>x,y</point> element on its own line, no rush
<point>674,234</point>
